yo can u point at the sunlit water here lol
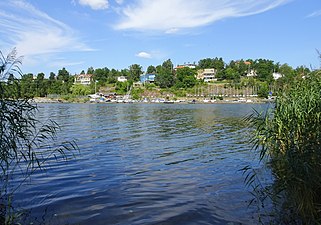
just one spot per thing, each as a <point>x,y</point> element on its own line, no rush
<point>145,164</point>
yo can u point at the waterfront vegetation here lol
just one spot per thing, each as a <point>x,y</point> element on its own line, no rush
<point>26,144</point>
<point>232,79</point>
<point>288,139</point>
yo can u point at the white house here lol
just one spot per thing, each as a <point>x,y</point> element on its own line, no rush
<point>251,73</point>
<point>121,79</point>
<point>84,79</point>
<point>207,75</point>
<point>277,76</point>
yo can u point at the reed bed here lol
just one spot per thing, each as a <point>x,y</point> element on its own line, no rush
<point>288,139</point>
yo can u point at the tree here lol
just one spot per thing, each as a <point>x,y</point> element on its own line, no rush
<point>287,71</point>
<point>185,78</point>
<point>302,71</point>
<point>206,63</point>
<point>218,64</point>
<point>165,75</point>
<point>26,143</point>
<point>125,73</point>
<point>90,70</point>
<point>27,84</point>
<point>63,75</point>
<point>80,90</point>
<point>135,71</point>
<point>101,75</point>
<point>231,74</point>
<point>168,65</point>
<point>263,90</point>
<point>41,85</point>
<point>164,78</point>
<point>112,76</point>
<point>52,76</point>
<point>242,67</point>
<point>264,69</point>
<point>151,69</point>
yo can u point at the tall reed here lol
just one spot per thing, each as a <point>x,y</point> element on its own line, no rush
<point>27,144</point>
<point>289,139</point>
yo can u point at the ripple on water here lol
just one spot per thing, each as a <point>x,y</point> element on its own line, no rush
<point>145,164</point>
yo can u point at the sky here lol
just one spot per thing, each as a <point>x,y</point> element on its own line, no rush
<point>78,34</point>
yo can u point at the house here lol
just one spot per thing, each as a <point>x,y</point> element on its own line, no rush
<point>208,75</point>
<point>251,73</point>
<point>84,79</point>
<point>277,75</point>
<point>189,65</point>
<point>248,63</point>
<point>121,79</point>
<point>147,78</point>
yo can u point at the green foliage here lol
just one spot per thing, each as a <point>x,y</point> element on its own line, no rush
<point>122,87</point>
<point>101,75</point>
<point>63,75</point>
<point>26,144</point>
<point>149,86</point>
<point>164,78</point>
<point>242,68</point>
<point>80,90</point>
<point>90,70</point>
<point>264,69</point>
<point>185,78</point>
<point>216,63</point>
<point>135,71</point>
<point>168,65</point>
<point>112,76</point>
<point>179,92</point>
<point>136,93</point>
<point>231,74</point>
<point>289,139</point>
<point>263,90</point>
<point>151,69</point>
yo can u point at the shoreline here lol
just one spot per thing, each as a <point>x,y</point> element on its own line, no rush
<point>232,100</point>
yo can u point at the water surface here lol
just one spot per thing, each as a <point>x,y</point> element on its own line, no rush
<point>146,164</point>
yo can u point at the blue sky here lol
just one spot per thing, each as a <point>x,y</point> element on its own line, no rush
<point>77,34</point>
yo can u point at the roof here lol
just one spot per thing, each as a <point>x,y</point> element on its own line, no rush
<point>85,75</point>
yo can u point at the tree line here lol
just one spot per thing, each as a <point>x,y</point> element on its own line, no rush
<point>166,76</point>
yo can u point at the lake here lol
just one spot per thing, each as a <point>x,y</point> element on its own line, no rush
<point>145,164</point>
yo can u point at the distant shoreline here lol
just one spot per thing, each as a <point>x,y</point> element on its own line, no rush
<point>182,101</point>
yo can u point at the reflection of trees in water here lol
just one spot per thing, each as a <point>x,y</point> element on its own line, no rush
<point>203,119</point>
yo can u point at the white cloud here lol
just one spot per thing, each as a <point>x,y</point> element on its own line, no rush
<point>172,31</point>
<point>95,4</point>
<point>119,2</point>
<point>171,16</point>
<point>144,55</point>
<point>315,14</point>
<point>35,33</point>
<point>64,63</point>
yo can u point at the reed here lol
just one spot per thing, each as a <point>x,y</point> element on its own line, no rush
<point>289,139</point>
<point>27,144</point>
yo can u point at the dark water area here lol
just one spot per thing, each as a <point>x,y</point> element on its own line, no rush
<point>145,164</point>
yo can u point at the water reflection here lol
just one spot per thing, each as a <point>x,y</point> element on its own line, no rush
<point>146,164</point>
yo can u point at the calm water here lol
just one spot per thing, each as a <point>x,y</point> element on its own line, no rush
<point>145,164</point>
